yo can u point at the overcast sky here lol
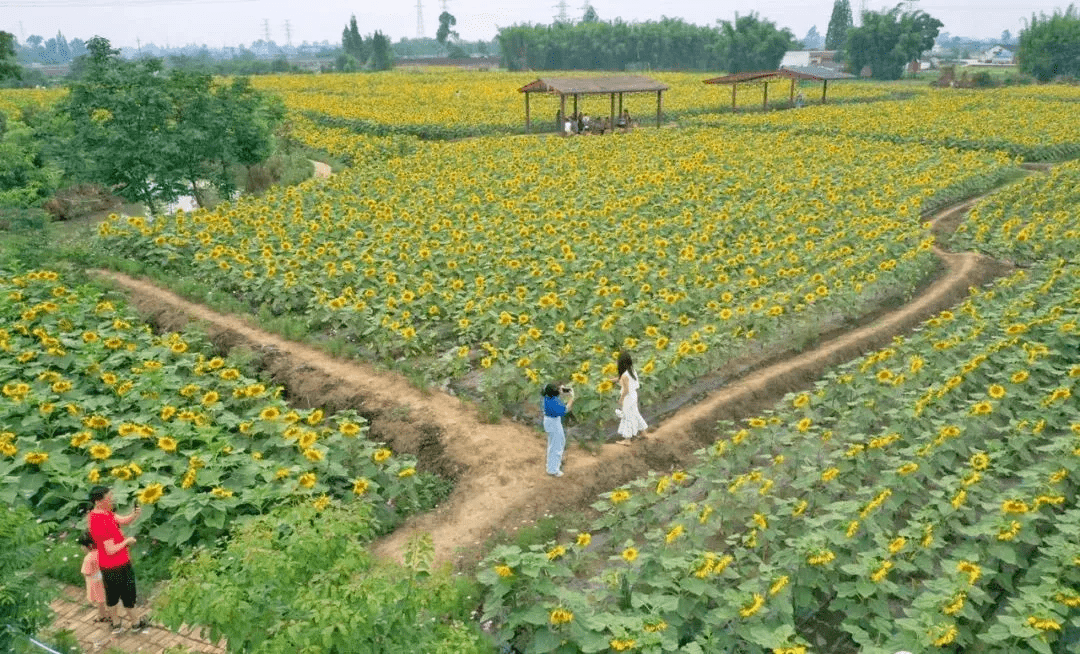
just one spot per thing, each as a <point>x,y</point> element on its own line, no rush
<point>231,22</point>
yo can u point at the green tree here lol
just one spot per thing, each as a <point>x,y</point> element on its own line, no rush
<point>590,15</point>
<point>26,177</point>
<point>888,40</point>
<point>24,603</point>
<point>839,24</point>
<point>446,21</point>
<point>152,136</point>
<point>353,44</point>
<point>381,56</point>
<point>1050,45</point>
<point>8,66</point>
<point>749,43</point>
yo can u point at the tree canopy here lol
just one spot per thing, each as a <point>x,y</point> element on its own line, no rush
<point>152,137</point>
<point>1050,45</point>
<point>839,24</point>
<point>671,43</point>
<point>8,66</point>
<point>446,21</point>
<point>888,40</point>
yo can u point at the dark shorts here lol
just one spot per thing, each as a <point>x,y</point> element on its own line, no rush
<point>119,585</point>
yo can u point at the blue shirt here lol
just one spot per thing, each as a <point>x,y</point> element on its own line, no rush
<point>554,407</point>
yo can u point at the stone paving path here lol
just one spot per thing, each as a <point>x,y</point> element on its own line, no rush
<point>74,613</point>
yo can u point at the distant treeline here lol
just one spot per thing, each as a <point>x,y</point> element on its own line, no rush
<point>747,43</point>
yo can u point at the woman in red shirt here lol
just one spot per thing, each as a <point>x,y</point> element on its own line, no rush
<point>113,558</point>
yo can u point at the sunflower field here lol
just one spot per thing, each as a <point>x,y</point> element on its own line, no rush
<point>91,396</point>
<point>1036,125</point>
<point>921,499</point>
<point>446,104</point>
<point>488,259</point>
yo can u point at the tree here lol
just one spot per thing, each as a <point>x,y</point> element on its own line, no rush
<point>1006,37</point>
<point>839,24</point>
<point>590,15</point>
<point>8,66</point>
<point>353,44</point>
<point>151,137</point>
<point>1050,45</point>
<point>446,21</point>
<point>750,43</point>
<point>888,40</point>
<point>813,39</point>
<point>381,58</point>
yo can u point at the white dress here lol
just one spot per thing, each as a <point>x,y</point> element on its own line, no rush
<point>632,423</point>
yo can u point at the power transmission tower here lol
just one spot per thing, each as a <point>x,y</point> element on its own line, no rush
<point>288,33</point>
<point>445,7</point>
<point>266,29</point>
<point>419,20</point>
<point>563,6</point>
<point>22,33</point>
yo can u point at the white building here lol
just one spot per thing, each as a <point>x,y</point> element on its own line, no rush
<point>998,54</point>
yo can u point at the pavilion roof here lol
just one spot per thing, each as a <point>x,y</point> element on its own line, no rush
<point>594,85</point>
<point>817,73</point>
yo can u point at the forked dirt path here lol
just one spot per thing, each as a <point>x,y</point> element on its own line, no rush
<point>501,482</point>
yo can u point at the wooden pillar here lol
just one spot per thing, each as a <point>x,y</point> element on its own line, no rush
<point>575,104</point>
<point>792,99</point>
<point>765,97</point>
<point>611,125</point>
<point>528,122</point>
<point>733,87</point>
<point>562,111</point>
<point>824,88</point>
<point>659,107</point>
<point>620,104</point>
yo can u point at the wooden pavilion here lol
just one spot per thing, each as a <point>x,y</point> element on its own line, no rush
<point>578,86</point>
<point>793,73</point>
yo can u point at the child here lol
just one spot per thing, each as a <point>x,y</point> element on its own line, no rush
<point>95,589</point>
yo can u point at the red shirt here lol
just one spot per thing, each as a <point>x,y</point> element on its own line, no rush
<point>103,527</point>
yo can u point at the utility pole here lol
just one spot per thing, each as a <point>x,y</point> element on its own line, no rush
<point>419,19</point>
<point>22,33</point>
<point>562,17</point>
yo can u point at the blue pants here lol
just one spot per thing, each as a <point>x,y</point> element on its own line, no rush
<point>556,438</point>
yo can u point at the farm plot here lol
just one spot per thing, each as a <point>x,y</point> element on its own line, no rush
<point>921,499</point>
<point>1035,125</point>
<point>489,264</point>
<point>90,396</point>
<point>444,104</point>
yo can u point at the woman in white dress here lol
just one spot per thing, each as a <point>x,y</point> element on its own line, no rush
<point>631,423</point>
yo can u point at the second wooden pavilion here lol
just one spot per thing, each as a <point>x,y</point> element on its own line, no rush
<point>793,73</point>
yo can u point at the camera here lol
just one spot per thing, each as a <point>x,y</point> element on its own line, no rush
<point>566,389</point>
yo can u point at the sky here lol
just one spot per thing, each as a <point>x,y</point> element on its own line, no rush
<point>232,22</point>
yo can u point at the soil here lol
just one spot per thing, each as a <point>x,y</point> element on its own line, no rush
<point>499,468</point>
<point>322,170</point>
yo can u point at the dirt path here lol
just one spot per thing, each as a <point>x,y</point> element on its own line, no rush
<point>322,171</point>
<point>501,483</point>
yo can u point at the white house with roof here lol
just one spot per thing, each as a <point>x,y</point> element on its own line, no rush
<point>998,54</point>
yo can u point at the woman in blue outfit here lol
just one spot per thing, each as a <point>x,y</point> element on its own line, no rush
<point>554,410</point>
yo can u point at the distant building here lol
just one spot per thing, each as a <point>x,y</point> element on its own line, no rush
<point>823,58</point>
<point>795,58</point>
<point>998,54</point>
